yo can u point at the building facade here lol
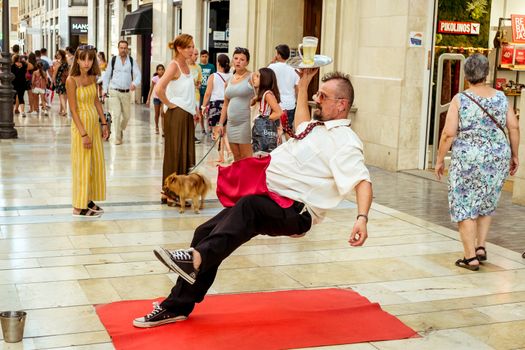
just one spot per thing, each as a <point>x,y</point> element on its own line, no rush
<point>13,27</point>
<point>53,24</point>
<point>387,46</point>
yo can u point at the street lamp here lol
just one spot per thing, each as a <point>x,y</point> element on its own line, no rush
<point>7,126</point>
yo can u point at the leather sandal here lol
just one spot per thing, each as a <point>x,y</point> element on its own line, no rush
<point>481,257</point>
<point>94,207</point>
<point>86,213</point>
<point>465,263</point>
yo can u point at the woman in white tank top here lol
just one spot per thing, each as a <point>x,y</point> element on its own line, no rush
<point>176,90</point>
<point>214,100</point>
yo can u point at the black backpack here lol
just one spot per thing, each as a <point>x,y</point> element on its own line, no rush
<point>113,60</point>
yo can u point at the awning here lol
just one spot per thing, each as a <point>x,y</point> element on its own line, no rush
<point>138,22</point>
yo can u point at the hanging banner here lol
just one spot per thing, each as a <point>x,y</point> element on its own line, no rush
<point>518,28</point>
<point>459,28</point>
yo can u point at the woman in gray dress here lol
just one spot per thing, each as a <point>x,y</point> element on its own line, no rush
<point>481,157</point>
<point>236,109</point>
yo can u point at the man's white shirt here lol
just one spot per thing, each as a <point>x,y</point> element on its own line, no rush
<point>287,79</point>
<point>320,170</point>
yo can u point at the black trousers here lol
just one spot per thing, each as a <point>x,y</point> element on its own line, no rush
<point>218,237</point>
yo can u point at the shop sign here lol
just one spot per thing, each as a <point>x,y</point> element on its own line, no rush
<point>518,28</point>
<point>78,25</point>
<point>218,35</point>
<point>458,28</point>
<point>220,44</point>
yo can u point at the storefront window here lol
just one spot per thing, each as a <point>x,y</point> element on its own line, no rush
<point>78,29</point>
<point>177,20</point>
<point>219,28</point>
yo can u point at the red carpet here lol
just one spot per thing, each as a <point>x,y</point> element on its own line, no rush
<point>272,320</point>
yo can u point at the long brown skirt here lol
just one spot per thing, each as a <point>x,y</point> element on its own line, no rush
<point>179,143</point>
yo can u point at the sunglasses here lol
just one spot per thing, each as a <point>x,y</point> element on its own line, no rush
<point>87,47</point>
<point>321,96</point>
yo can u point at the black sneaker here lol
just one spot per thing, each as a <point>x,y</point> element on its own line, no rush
<point>197,141</point>
<point>179,261</point>
<point>157,317</point>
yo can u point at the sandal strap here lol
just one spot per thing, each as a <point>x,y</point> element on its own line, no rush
<point>92,205</point>
<point>481,248</point>
<point>468,261</point>
<point>87,212</point>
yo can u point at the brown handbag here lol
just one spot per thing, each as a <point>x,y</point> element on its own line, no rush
<point>487,113</point>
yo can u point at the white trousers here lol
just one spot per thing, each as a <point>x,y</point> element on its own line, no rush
<point>119,106</point>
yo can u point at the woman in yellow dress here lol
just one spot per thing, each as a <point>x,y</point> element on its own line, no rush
<point>87,152</point>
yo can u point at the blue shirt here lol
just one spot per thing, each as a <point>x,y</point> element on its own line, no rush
<point>121,76</point>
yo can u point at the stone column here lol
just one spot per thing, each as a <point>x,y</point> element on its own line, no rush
<point>192,20</point>
<point>102,33</point>
<point>7,126</point>
<point>163,33</point>
<point>518,191</point>
<point>92,24</point>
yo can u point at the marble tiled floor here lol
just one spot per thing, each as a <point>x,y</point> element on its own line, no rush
<point>418,192</point>
<point>56,267</point>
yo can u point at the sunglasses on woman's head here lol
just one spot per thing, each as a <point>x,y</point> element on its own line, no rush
<point>87,47</point>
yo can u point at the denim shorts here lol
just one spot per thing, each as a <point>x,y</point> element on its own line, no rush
<point>157,101</point>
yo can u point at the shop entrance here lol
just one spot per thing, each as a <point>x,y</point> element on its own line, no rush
<point>219,28</point>
<point>450,81</point>
<point>458,32</point>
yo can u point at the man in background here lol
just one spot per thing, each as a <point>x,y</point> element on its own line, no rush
<point>207,70</point>
<point>122,76</point>
<point>287,80</point>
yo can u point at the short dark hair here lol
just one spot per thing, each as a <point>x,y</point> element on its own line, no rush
<point>16,48</point>
<point>344,85</point>
<point>43,51</point>
<point>204,52</point>
<point>70,49</point>
<point>37,53</point>
<point>243,51</point>
<point>122,42</point>
<point>283,50</point>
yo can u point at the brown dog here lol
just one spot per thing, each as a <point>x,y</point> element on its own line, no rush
<point>194,186</point>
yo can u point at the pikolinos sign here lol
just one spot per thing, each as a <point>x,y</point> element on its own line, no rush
<point>458,28</point>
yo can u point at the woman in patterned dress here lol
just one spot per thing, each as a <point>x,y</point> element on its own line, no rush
<point>61,73</point>
<point>481,157</point>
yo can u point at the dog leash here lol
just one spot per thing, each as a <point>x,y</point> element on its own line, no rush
<point>205,155</point>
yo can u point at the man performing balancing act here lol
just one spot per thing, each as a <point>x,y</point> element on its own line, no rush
<point>317,170</point>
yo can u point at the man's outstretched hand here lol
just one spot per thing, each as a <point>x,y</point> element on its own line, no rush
<point>359,233</point>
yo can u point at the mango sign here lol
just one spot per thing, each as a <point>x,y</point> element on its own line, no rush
<point>518,28</point>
